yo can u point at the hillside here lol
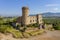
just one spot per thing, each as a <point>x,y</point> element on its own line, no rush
<point>50,14</point>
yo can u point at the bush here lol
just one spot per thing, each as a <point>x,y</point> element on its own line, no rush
<point>55,22</point>
<point>34,33</point>
<point>17,34</point>
<point>8,29</point>
<point>4,28</point>
<point>33,25</point>
<point>56,26</point>
<point>30,25</point>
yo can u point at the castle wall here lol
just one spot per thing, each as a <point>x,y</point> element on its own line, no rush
<point>33,19</point>
<point>39,19</point>
<point>19,20</point>
<point>26,19</point>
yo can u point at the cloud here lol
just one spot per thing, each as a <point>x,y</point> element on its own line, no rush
<point>49,5</point>
<point>52,9</point>
<point>55,9</point>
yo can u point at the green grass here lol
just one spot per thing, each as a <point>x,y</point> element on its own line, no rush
<point>16,33</point>
<point>8,29</point>
<point>56,23</point>
<point>34,33</point>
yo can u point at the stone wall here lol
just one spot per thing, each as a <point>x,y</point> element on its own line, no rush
<point>26,19</point>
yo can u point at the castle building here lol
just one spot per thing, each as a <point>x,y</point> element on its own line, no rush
<point>25,19</point>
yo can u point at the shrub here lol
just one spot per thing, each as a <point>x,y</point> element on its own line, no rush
<point>34,33</point>
<point>33,25</point>
<point>4,28</point>
<point>30,25</point>
<point>17,34</point>
<point>56,26</point>
<point>8,29</point>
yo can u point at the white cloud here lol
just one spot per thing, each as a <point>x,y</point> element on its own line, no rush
<point>55,9</point>
<point>49,5</point>
<point>52,9</point>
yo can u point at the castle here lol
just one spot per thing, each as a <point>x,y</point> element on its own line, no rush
<point>25,19</point>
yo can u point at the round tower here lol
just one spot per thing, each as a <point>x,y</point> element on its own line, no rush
<point>25,11</point>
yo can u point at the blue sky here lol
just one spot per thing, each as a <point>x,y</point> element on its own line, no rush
<point>13,7</point>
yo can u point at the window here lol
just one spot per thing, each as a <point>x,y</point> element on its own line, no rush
<point>30,20</point>
<point>33,20</point>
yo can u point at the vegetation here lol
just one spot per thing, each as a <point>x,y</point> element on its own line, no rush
<point>33,25</point>
<point>37,32</point>
<point>5,28</point>
<point>55,22</point>
<point>8,29</point>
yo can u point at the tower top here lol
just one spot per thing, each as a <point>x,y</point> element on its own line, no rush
<point>25,7</point>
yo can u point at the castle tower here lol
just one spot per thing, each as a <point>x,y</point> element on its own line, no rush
<point>25,11</point>
<point>39,19</point>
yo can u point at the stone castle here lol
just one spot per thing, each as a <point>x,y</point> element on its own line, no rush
<point>25,19</point>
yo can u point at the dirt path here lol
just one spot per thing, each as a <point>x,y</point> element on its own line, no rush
<point>50,35</point>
